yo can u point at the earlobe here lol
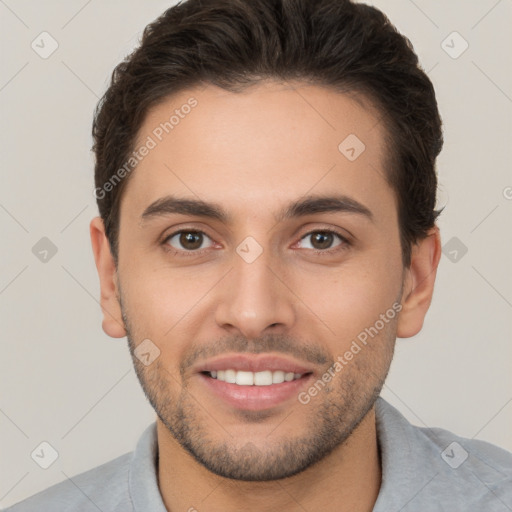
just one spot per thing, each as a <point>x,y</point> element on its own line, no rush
<point>113,324</point>
<point>419,284</point>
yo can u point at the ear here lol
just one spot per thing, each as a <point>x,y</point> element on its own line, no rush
<point>113,323</point>
<point>418,285</point>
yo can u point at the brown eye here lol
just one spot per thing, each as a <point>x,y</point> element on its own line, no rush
<point>186,240</point>
<point>323,240</point>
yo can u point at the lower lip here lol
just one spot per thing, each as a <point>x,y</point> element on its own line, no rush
<point>255,398</point>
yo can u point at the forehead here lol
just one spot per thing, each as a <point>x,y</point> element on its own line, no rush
<point>267,145</point>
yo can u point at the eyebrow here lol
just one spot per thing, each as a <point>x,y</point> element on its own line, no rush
<point>310,205</point>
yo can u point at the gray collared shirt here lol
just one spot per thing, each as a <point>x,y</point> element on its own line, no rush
<point>423,470</point>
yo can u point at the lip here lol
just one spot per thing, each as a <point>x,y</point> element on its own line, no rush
<point>253,363</point>
<point>255,398</point>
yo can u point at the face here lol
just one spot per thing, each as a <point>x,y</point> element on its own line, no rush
<point>263,262</point>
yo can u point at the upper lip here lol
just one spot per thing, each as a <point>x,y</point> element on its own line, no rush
<point>253,363</point>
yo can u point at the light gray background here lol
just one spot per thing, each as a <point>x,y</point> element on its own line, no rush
<point>65,382</point>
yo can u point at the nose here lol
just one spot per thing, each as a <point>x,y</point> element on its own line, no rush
<point>255,297</point>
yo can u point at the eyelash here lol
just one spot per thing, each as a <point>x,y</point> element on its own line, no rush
<point>343,246</point>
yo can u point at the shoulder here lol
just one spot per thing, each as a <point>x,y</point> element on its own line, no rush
<point>440,468</point>
<point>479,472</point>
<point>104,487</point>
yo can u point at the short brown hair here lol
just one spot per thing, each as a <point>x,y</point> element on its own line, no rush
<point>233,44</point>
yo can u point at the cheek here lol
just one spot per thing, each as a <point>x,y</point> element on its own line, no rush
<point>157,307</point>
<point>352,297</point>
<point>159,300</point>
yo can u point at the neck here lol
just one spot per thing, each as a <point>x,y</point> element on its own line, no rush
<point>348,479</point>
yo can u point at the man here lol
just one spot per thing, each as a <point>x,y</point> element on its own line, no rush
<point>265,176</point>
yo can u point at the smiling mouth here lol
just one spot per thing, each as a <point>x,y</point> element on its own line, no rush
<point>246,378</point>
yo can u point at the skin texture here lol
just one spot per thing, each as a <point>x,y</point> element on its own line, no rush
<point>253,153</point>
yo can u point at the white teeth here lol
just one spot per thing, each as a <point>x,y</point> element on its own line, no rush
<point>230,376</point>
<point>264,378</point>
<point>277,377</point>
<point>244,378</point>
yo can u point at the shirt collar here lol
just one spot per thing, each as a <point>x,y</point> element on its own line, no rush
<point>143,477</point>
<point>406,467</point>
